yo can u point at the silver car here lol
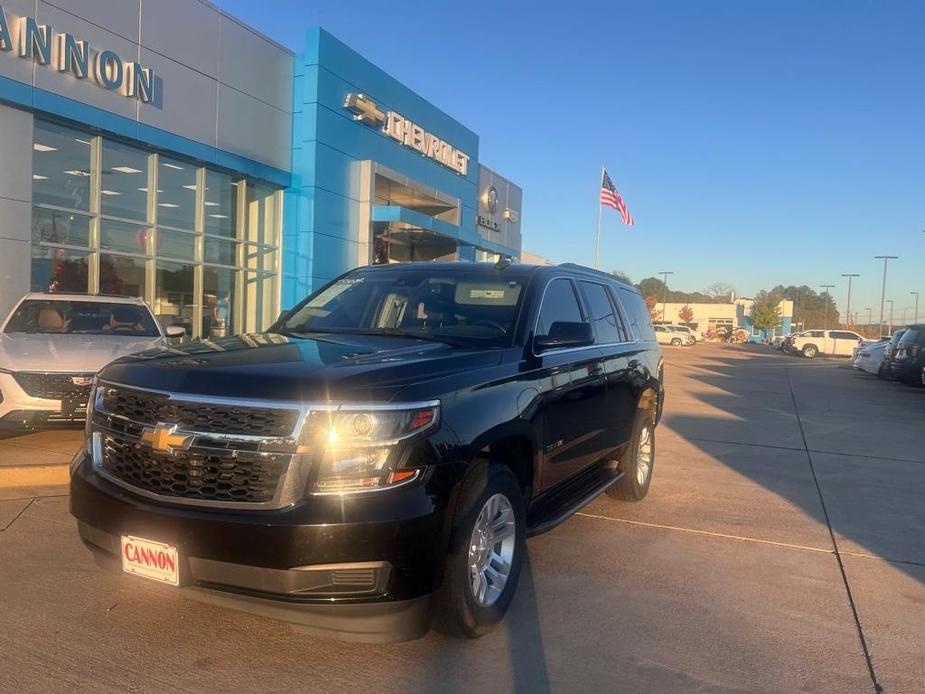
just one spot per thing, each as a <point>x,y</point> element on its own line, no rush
<point>51,346</point>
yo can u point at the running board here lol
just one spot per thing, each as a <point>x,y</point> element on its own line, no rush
<point>563,504</point>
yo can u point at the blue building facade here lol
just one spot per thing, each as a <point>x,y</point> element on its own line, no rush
<point>379,174</point>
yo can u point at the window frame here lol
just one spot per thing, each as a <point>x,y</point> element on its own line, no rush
<point>621,323</point>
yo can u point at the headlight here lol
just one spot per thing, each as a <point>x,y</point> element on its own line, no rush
<point>353,448</point>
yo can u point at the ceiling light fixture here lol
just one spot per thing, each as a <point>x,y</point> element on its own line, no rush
<point>191,187</point>
<point>126,169</point>
<point>83,142</point>
<point>166,204</point>
<point>219,216</point>
<point>173,166</point>
<point>109,192</point>
<point>39,147</point>
<point>39,177</point>
<point>209,203</point>
<point>77,172</point>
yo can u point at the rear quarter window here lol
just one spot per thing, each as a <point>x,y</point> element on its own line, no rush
<point>637,314</point>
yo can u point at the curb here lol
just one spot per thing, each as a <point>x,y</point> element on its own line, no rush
<point>34,475</point>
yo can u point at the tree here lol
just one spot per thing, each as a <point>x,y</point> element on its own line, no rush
<point>810,310</point>
<point>652,305</point>
<point>720,292</point>
<point>622,276</point>
<point>766,311</point>
<point>686,314</point>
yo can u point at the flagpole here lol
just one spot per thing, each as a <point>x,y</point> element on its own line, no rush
<point>597,247</point>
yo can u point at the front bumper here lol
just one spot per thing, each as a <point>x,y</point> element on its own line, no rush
<point>360,567</point>
<point>18,409</point>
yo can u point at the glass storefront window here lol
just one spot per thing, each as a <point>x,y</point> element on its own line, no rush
<point>123,236</point>
<point>59,270</point>
<point>54,226</point>
<point>124,182</point>
<point>176,194</point>
<point>123,275</point>
<point>218,288</point>
<point>221,203</point>
<point>176,244</point>
<point>221,251</point>
<point>60,166</point>
<point>110,243</point>
<point>261,214</point>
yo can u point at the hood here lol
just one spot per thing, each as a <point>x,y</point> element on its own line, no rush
<point>67,353</point>
<point>341,367</point>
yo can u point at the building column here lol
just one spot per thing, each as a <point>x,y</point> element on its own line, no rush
<point>15,206</point>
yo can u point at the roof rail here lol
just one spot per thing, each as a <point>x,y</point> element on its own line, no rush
<point>583,268</point>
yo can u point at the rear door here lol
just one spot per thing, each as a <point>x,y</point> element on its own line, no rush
<point>845,342</point>
<point>572,392</point>
<point>617,352</point>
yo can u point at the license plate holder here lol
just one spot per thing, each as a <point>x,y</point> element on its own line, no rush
<point>150,559</point>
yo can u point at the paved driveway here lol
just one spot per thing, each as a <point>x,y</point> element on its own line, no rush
<point>781,548</point>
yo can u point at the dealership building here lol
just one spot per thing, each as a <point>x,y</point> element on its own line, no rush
<point>168,151</point>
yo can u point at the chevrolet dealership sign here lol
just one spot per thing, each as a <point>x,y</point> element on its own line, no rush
<point>67,54</point>
<point>407,133</point>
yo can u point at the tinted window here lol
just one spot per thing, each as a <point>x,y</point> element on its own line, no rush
<point>602,315</point>
<point>911,336</point>
<point>813,333</point>
<point>842,335</point>
<point>637,313</point>
<point>559,304</point>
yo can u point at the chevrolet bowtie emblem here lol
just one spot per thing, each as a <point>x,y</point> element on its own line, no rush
<point>163,438</point>
<point>364,109</point>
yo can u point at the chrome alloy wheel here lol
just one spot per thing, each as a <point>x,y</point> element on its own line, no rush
<point>491,550</point>
<point>644,456</point>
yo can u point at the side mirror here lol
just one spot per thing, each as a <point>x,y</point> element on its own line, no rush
<point>564,334</point>
<point>175,331</point>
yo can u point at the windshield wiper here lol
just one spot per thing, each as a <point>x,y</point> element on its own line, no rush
<point>384,332</point>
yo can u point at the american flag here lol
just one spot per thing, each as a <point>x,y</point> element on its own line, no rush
<point>611,198</point>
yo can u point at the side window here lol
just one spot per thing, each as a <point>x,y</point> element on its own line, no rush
<point>814,333</point>
<point>638,314</point>
<point>559,304</point>
<point>601,313</point>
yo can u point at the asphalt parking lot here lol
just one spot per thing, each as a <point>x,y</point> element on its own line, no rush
<point>781,548</point>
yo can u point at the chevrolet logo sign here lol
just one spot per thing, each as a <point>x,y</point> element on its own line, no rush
<point>164,439</point>
<point>364,109</point>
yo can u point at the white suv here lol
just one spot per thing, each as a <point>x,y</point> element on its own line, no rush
<point>52,345</point>
<point>840,343</point>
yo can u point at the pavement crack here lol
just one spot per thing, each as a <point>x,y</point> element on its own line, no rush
<point>838,557</point>
<point>18,515</point>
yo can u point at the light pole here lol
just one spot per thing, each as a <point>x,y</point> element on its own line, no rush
<point>886,259</point>
<point>870,318</point>
<point>915,320</point>
<point>665,292</point>
<point>825,317</point>
<point>850,277</point>
<point>889,330</point>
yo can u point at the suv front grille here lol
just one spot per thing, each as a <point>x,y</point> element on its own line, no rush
<point>201,417</point>
<point>54,386</point>
<point>247,478</point>
<point>225,453</point>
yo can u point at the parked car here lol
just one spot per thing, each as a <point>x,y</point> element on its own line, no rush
<point>688,333</point>
<point>665,336</point>
<point>385,450</point>
<point>886,369</point>
<point>52,345</point>
<point>909,356</point>
<point>870,358</point>
<point>831,342</point>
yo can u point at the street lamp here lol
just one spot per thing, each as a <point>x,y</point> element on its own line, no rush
<point>886,259</point>
<point>916,319</point>
<point>870,318</point>
<point>665,292</point>
<point>850,277</point>
<point>890,328</point>
<point>825,317</point>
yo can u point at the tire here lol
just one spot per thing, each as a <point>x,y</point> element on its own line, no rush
<point>809,351</point>
<point>460,611</point>
<point>676,342</point>
<point>637,472</point>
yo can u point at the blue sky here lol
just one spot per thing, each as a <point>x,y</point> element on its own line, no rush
<point>755,142</point>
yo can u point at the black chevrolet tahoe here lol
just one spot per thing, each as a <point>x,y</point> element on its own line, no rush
<point>378,457</point>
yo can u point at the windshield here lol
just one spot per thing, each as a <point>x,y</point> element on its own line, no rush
<point>82,318</point>
<point>470,306</point>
